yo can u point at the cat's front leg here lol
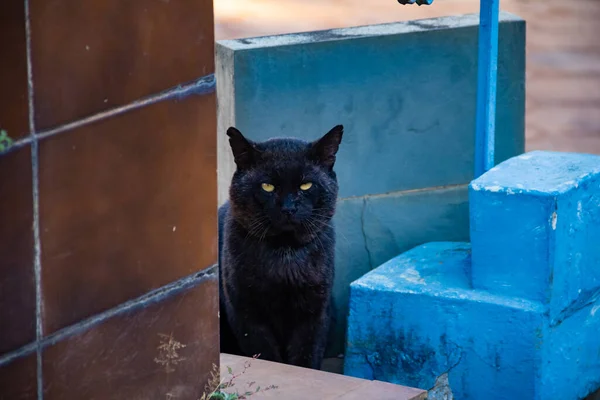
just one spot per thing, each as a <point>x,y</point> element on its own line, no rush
<point>306,346</point>
<point>255,339</point>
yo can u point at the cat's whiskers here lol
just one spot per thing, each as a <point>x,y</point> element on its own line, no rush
<point>264,234</point>
<point>311,227</point>
<point>318,211</point>
<point>254,230</point>
<point>306,226</point>
<point>257,221</point>
<point>255,226</point>
<point>327,223</point>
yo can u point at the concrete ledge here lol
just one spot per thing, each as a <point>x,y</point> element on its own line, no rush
<point>440,23</point>
<point>294,383</point>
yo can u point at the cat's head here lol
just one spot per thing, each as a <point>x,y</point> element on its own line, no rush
<point>284,185</point>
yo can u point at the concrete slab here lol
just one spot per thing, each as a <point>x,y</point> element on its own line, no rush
<point>294,383</point>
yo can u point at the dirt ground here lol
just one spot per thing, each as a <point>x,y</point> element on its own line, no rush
<point>563,50</point>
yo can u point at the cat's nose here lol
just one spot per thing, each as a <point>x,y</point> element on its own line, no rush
<point>288,206</point>
<point>288,210</point>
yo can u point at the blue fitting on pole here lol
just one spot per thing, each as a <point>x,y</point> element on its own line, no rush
<point>419,2</point>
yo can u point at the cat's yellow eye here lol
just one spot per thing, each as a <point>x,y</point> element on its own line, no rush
<point>306,186</point>
<point>267,187</point>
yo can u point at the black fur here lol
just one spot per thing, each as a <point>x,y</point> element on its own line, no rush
<point>276,250</point>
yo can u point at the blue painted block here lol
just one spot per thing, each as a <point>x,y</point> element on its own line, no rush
<point>535,229</point>
<point>373,229</point>
<point>415,320</point>
<point>570,358</point>
<point>405,92</point>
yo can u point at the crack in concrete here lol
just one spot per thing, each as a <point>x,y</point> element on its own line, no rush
<point>450,368</point>
<point>371,366</point>
<point>442,381</point>
<point>441,389</point>
<point>585,299</point>
<point>364,233</point>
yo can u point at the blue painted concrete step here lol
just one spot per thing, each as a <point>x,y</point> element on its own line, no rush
<point>535,229</point>
<point>416,321</point>
<point>515,315</point>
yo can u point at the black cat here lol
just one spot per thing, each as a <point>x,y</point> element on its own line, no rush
<point>276,249</point>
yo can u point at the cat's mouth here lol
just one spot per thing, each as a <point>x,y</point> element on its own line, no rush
<point>288,226</point>
<point>289,223</point>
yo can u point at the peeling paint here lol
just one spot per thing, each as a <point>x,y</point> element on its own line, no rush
<point>441,390</point>
<point>495,188</point>
<point>381,281</point>
<point>412,275</point>
<point>554,220</point>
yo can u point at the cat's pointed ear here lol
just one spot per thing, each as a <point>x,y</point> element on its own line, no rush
<point>243,150</point>
<point>325,149</point>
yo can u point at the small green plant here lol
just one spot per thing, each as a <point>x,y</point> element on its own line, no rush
<point>217,388</point>
<point>5,141</point>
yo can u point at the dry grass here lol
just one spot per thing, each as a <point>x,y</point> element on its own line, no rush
<point>219,388</point>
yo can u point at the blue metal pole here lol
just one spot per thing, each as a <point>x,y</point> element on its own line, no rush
<point>486,86</point>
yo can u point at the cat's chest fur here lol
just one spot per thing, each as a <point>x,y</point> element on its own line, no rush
<point>262,271</point>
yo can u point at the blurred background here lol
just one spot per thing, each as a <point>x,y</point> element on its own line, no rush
<point>563,51</point>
